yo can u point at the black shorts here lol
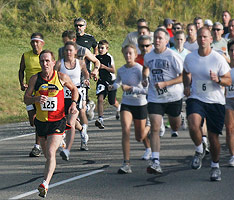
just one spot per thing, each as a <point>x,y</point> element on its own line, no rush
<point>102,88</point>
<point>138,112</point>
<point>214,114</point>
<point>44,129</point>
<point>173,109</point>
<point>68,102</point>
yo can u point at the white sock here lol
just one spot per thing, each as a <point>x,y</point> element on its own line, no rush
<point>45,184</point>
<point>148,149</point>
<point>118,109</point>
<point>204,139</point>
<point>199,148</point>
<point>85,126</point>
<point>37,146</point>
<point>213,164</point>
<point>155,155</point>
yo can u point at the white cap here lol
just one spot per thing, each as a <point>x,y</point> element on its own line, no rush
<point>208,22</point>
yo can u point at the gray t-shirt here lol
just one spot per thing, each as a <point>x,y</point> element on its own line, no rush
<point>133,77</point>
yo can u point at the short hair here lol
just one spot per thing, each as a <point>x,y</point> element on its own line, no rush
<point>144,37</point>
<point>226,11</point>
<point>191,24</point>
<point>197,18</point>
<point>47,51</point>
<point>229,44</point>
<point>231,20</point>
<point>72,44</point>
<point>203,28</point>
<point>37,34</point>
<point>104,42</point>
<point>164,31</point>
<point>70,34</point>
<point>142,20</point>
<point>133,46</point>
<point>218,24</point>
<point>80,19</point>
<point>179,33</point>
<point>178,24</point>
<point>144,27</point>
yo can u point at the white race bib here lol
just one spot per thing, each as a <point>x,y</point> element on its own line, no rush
<point>100,88</point>
<point>67,93</point>
<point>204,86</point>
<point>50,104</point>
<point>129,94</point>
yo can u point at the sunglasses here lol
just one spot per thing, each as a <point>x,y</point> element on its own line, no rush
<point>145,45</point>
<point>216,29</point>
<point>80,25</point>
<point>176,28</point>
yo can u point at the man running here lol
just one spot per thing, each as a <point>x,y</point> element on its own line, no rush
<point>45,90</point>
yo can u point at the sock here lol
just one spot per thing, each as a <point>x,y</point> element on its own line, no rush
<point>148,149</point>
<point>85,126</point>
<point>37,146</point>
<point>214,164</point>
<point>45,184</point>
<point>199,148</point>
<point>118,109</point>
<point>204,138</point>
<point>155,155</point>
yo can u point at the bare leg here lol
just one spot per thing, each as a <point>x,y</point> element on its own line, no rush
<point>229,123</point>
<point>156,121</point>
<point>100,105</point>
<point>214,146</point>
<point>175,122</point>
<point>126,120</point>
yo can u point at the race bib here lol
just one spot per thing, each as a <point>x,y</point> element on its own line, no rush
<point>204,86</point>
<point>100,88</point>
<point>67,93</point>
<point>50,104</point>
<point>162,92</point>
<point>82,93</point>
<point>231,88</point>
<point>129,94</point>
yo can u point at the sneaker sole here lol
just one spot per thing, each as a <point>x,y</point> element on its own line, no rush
<point>63,155</point>
<point>123,172</point>
<point>152,171</point>
<point>42,192</point>
<point>99,125</point>
<point>34,155</point>
<point>215,179</point>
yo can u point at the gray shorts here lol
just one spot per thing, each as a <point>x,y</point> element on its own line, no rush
<point>229,104</point>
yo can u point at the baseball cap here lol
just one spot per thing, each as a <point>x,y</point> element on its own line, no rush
<point>167,21</point>
<point>208,22</point>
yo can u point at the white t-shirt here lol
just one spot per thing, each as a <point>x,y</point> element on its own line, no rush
<point>230,89</point>
<point>202,87</point>
<point>191,46</point>
<point>164,67</point>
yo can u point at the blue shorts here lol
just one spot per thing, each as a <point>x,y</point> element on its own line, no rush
<point>214,114</point>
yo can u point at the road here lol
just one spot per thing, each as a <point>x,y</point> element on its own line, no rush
<point>92,175</point>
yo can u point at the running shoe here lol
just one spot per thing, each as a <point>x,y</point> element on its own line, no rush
<point>35,152</point>
<point>197,160</point>
<point>154,167</point>
<point>147,155</point>
<point>162,130</point>
<point>42,190</point>
<point>84,136</point>
<point>99,123</point>
<point>231,162</point>
<point>65,154</point>
<point>90,111</point>
<point>215,174</point>
<point>117,116</point>
<point>174,134</point>
<point>84,146</point>
<point>183,121</point>
<point>206,147</point>
<point>125,169</point>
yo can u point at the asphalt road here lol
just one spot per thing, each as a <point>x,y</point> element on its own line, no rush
<point>92,175</point>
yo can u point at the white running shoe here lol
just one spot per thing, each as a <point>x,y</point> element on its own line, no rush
<point>65,154</point>
<point>162,129</point>
<point>231,162</point>
<point>90,111</point>
<point>84,136</point>
<point>147,155</point>
<point>125,169</point>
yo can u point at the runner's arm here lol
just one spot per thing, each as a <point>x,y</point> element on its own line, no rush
<point>21,74</point>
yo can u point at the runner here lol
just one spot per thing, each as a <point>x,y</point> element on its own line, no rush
<point>133,105</point>
<point>50,120</point>
<point>106,78</point>
<point>229,116</point>
<point>29,65</point>
<point>203,81</point>
<point>71,66</point>
<point>163,67</point>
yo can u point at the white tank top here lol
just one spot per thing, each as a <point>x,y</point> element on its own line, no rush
<point>74,75</point>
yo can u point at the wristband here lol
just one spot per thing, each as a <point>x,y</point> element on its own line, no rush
<point>74,101</point>
<point>96,67</point>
